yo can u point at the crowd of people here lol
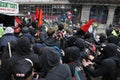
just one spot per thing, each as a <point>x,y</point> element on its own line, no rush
<point>35,53</point>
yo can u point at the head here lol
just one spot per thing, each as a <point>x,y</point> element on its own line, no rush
<point>72,53</point>
<point>108,50</point>
<point>51,32</point>
<point>109,31</point>
<point>23,45</point>
<point>49,58</point>
<point>38,48</point>
<point>22,69</point>
<point>60,27</point>
<point>102,37</point>
<point>25,30</point>
<point>79,42</point>
<point>113,39</point>
<point>9,30</point>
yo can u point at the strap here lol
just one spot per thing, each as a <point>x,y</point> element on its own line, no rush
<point>78,77</point>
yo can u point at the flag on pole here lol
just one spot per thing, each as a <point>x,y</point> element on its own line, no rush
<point>40,18</point>
<point>37,12</point>
<point>86,26</point>
<point>17,20</point>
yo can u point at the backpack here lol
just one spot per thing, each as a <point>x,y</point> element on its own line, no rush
<point>79,73</point>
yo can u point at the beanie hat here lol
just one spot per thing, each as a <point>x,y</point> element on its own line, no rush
<point>25,30</point>
<point>9,30</point>
<point>109,50</point>
<point>23,45</point>
<point>73,53</point>
<point>102,37</point>
<point>80,43</point>
<point>50,58</point>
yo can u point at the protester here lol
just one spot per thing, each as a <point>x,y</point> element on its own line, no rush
<point>108,66</point>
<point>52,68</point>
<point>26,33</point>
<point>74,62</point>
<point>23,51</point>
<point>23,70</point>
<point>51,40</point>
<point>7,37</point>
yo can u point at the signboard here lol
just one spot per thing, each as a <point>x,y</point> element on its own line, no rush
<point>8,7</point>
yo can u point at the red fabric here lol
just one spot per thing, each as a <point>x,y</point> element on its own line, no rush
<point>17,29</point>
<point>40,18</point>
<point>75,77</point>
<point>86,26</point>
<point>37,12</point>
<point>17,20</point>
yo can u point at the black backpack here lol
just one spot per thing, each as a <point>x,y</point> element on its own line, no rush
<point>79,73</point>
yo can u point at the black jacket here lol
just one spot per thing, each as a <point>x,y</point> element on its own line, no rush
<point>6,69</point>
<point>50,41</point>
<point>59,72</point>
<point>107,70</point>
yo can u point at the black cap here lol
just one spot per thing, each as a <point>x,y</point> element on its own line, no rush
<point>22,69</point>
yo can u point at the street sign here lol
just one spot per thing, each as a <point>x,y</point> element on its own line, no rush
<point>9,7</point>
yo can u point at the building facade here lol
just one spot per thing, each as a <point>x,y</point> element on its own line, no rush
<point>104,11</point>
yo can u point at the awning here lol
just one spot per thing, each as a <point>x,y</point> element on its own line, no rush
<point>11,14</point>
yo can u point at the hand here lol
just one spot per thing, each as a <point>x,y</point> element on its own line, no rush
<point>91,57</point>
<point>84,62</point>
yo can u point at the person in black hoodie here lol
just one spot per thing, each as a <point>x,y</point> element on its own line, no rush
<point>74,62</point>
<point>108,66</point>
<point>23,51</point>
<point>52,68</point>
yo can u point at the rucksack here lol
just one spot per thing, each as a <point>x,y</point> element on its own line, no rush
<point>79,73</point>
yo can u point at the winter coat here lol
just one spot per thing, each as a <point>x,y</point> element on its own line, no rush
<point>5,39</point>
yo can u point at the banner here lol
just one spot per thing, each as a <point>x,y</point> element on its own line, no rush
<point>8,7</point>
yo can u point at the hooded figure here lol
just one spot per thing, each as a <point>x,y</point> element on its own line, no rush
<point>109,31</point>
<point>49,58</point>
<point>26,33</point>
<point>102,38</point>
<point>23,51</point>
<point>113,39</point>
<point>109,50</point>
<point>73,55</point>
<point>52,68</point>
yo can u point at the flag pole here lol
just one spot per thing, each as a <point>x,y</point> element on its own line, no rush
<point>9,48</point>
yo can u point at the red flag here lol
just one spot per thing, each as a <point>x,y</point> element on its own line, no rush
<point>40,18</point>
<point>86,26</point>
<point>17,20</point>
<point>37,12</point>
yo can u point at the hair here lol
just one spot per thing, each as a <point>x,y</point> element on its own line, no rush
<point>60,27</point>
<point>51,31</point>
